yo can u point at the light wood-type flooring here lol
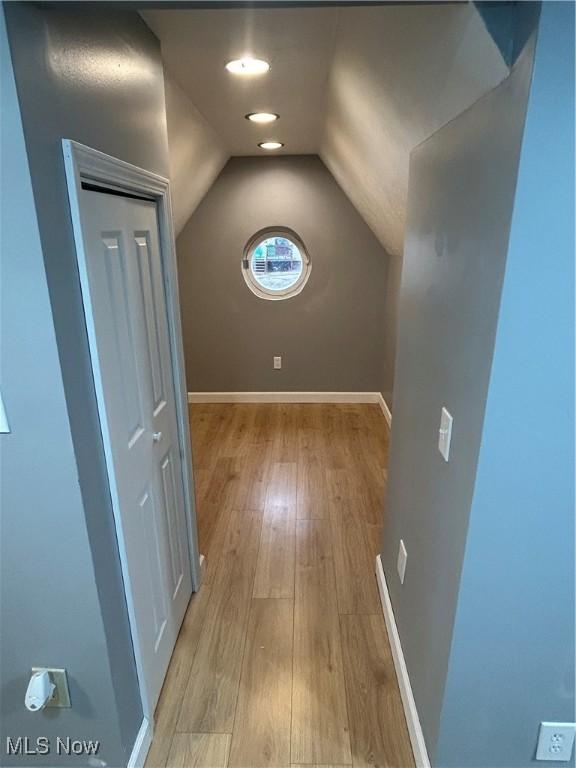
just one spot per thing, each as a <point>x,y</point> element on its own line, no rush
<point>283,658</point>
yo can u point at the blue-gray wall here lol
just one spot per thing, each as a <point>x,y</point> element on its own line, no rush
<point>512,659</point>
<point>462,183</point>
<point>50,613</point>
<point>93,74</point>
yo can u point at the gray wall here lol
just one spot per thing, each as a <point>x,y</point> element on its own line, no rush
<point>512,659</point>
<point>94,75</point>
<point>462,182</point>
<point>330,336</point>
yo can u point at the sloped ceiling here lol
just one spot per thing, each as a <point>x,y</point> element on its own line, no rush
<point>361,86</point>
<point>197,154</point>
<point>398,74</point>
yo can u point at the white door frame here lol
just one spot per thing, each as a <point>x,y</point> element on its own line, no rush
<point>84,164</point>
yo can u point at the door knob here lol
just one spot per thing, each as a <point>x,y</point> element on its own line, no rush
<point>157,436</point>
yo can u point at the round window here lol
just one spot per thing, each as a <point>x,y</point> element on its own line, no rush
<point>275,264</point>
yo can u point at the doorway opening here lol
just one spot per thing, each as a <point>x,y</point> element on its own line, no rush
<point>290,131</point>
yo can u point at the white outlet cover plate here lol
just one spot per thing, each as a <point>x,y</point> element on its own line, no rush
<point>4,427</point>
<point>445,434</point>
<point>61,696</point>
<point>555,741</point>
<point>401,564</point>
<point>277,363</point>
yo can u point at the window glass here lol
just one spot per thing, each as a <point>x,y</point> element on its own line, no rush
<point>275,264</point>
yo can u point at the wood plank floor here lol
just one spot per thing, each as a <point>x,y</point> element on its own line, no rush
<point>283,658</point>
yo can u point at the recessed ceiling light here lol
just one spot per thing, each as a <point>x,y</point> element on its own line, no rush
<point>248,66</point>
<point>271,145</point>
<point>262,117</point>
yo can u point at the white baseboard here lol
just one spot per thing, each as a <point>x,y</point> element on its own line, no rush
<point>141,745</point>
<point>284,397</point>
<point>410,711</point>
<point>385,410</point>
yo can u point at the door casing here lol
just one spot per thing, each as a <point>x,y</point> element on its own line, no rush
<point>84,164</point>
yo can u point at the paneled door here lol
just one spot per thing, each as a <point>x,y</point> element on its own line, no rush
<point>134,372</point>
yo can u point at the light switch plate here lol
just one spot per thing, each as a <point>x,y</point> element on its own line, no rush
<point>277,363</point>
<point>445,434</point>
<point>401,564</point>
<point>555,741</point>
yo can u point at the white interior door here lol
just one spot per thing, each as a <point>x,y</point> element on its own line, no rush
<point>134,375</point>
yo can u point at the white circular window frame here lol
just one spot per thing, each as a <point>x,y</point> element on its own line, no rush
<point>249,276</point>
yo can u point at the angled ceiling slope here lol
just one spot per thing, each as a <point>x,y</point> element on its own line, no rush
<point>399,74</point>
<point>197,155</point>
<point>359,86</point>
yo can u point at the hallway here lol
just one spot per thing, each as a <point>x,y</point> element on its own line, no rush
<point>283,657</point>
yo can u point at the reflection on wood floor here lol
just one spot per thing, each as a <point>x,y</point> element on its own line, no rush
<point>283,657</point>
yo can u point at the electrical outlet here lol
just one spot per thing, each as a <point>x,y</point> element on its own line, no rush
<point>555,741</point>
<point>61,695</point>
<point>277,363</point>
<point>401,564</point>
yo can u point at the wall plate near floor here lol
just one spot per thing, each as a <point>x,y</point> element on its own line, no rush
<point>4,428</point>
<point>61,695</point>
<point>555,741</point>
<point>402,558</point>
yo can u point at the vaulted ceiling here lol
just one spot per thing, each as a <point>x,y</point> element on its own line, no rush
<point>360,86</point>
